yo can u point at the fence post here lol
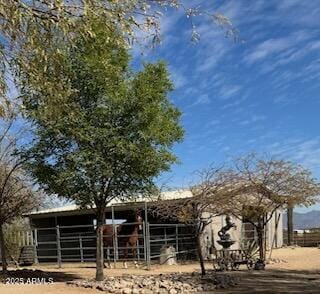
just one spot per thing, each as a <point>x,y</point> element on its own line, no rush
<point>147,237</point>
<point>81,248</point>
<point>165,236</point>
<point>114,239</point>
<point>35,245</point>
<point>177,239</point>
<point>58,246</point>
<point>138,250</point>
<point>148,249</point>
<point>144,242</point>
<point>115,247</point>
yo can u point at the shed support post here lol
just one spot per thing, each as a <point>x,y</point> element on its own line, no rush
<point>147,237</point>
<point>148,251</point>
<point>58,246</point>
<point>177,239</point>
<point>35,245</point>
<point>144,242</point>
<point>114,239</point>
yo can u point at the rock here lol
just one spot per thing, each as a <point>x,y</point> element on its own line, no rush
<point>146,291</point>
<point>163,284</point>
<point>101,288</point>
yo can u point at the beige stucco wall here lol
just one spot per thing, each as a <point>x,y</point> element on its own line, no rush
<point>211,232</point>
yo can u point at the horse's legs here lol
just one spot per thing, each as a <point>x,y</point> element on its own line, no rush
<point>108,258</point>
<point>134,255</point>
<point>104,259</point>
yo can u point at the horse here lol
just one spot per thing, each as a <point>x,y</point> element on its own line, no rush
<point>128,233</point>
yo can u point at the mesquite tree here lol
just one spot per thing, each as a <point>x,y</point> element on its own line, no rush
<point>16,194</point>
<point>266,185</point>
<point>28,27</point>
<point>112,136</point>
<point>210,198</point>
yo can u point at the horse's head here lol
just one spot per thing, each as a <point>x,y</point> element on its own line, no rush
<point>139,219</point>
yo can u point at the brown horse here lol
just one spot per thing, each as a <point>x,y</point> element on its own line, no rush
<point>127,236</point>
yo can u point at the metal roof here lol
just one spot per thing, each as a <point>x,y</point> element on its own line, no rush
<point>73,208</point>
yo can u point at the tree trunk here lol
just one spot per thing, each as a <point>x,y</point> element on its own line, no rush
<point>99,249</point>
<point>262,253</point>
<point>3,250</point>
<point>290,224</point>
<point>200,255</point>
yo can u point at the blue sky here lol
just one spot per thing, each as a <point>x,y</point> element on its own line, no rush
<point>259,94</point>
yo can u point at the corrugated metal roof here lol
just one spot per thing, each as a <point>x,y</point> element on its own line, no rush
<point>168,195</point>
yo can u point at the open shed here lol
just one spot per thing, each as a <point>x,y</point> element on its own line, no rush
<point>67,233</point>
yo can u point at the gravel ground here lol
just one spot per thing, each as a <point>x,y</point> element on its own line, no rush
<point>294,270</point>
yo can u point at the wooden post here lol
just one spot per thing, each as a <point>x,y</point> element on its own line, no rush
<point>58,246</point>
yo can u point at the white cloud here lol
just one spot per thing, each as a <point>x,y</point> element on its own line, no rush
<point>200,100</point>
<point>228,91</point>
<point>254,119</point>
<point>267,48</point>
<point>179,80</point>
<point>274,46</point>
<point>305,152</point>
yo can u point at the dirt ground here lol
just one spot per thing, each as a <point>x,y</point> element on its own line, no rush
<point>297,272</point>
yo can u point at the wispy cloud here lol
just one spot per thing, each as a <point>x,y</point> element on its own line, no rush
<point>200,100</point>
<point>305,152</point>
<point>254,119</point>
<point>179,80</point>
<point>227,91</point>
<point>274,46</point>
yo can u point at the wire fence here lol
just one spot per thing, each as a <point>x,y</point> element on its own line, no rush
<point>304,239</point>
<point>178,236</point>
<point>78,243</point>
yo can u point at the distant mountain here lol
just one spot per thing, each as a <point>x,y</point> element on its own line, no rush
<point>305,220</point>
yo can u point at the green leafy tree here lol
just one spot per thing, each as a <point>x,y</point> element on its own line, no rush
<point>111,136</point>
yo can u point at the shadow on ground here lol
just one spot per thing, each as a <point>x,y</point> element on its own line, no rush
<point>276,281</point>
<point>37,274</point>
